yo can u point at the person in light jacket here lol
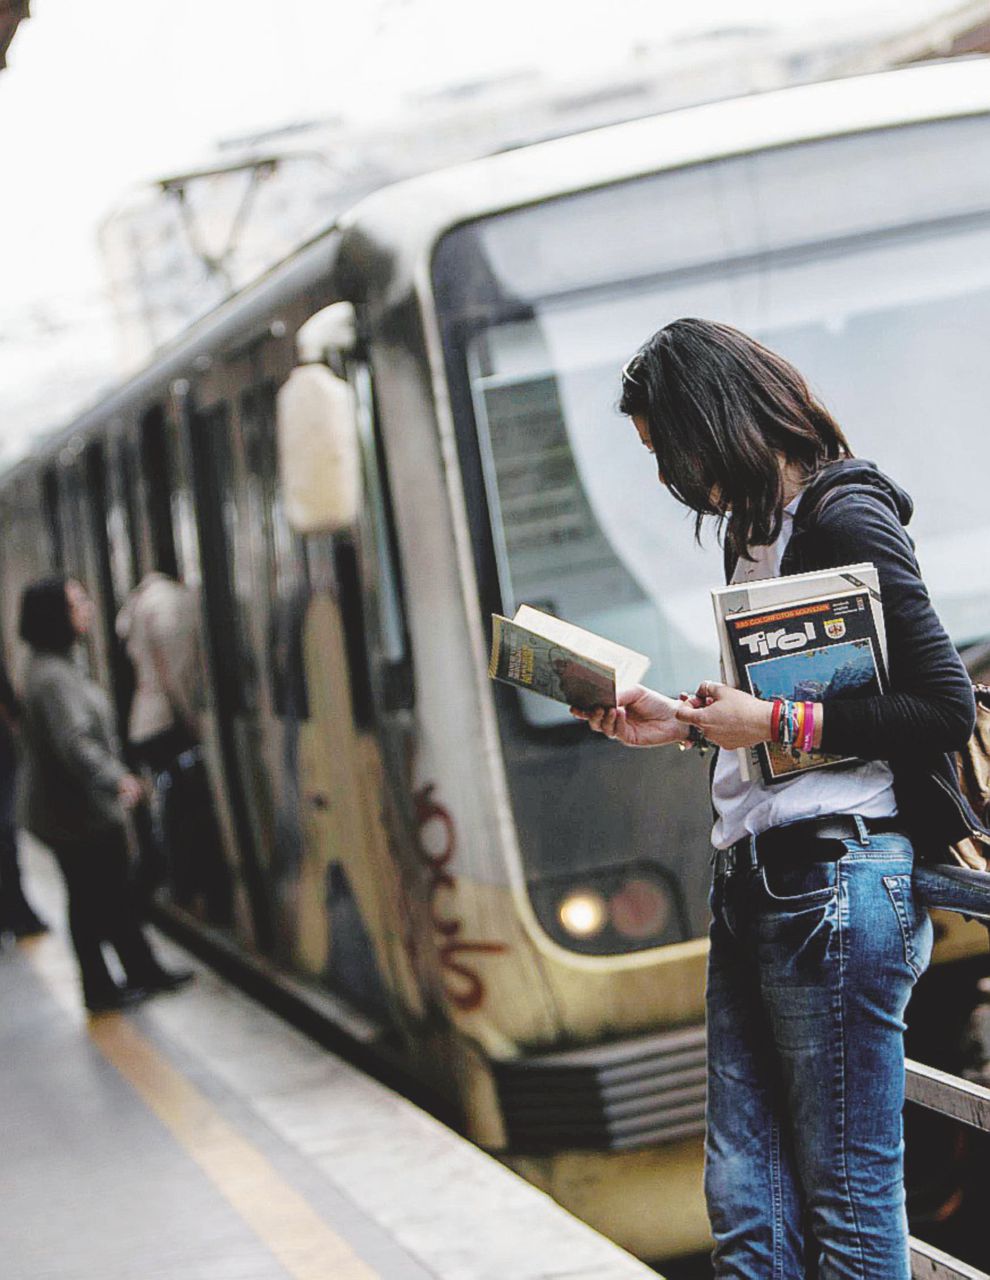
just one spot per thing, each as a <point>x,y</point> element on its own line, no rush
<point>158,625</point>
<point>76,794</point>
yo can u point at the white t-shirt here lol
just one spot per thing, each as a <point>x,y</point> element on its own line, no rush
<point>747,808</point>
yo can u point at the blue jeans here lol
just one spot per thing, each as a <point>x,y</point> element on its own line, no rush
<point>811,967</point>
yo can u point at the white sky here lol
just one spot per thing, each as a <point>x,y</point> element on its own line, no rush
<point>101,95</point>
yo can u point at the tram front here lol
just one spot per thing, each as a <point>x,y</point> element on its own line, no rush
<point>500,302</point>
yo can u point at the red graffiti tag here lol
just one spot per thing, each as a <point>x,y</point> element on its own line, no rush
<point>462,984</point>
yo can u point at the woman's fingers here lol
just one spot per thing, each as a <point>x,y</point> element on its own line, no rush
<point>609,721</point>
<point>595,718</point>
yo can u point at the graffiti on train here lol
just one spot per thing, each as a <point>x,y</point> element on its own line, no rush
<point>436,844</point>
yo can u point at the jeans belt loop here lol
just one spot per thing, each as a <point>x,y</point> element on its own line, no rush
<point>864,835</point>
<point>754,859</point>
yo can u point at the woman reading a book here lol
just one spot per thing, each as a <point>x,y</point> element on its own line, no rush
<point>817,938</point>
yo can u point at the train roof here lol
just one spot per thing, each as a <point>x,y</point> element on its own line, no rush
<point>408,218</point>
<point>411,216</point>
<point>233,326</point>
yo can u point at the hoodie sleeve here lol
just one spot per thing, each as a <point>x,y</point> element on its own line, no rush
<point>929,706</point>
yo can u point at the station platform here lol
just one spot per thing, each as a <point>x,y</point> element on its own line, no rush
<point>198,1137</point>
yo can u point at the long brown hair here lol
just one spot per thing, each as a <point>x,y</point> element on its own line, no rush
<point>720,409</point>
<point>45,623</point>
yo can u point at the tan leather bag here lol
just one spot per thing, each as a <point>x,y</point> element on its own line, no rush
<point>973,763</point>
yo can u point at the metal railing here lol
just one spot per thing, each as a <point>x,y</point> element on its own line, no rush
<point>960,1100</point>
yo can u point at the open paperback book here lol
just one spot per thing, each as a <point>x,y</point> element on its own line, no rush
<point>543,654</point>
<point>807,637</point>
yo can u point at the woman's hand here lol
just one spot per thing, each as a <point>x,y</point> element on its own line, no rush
<point>728,717</point>
<point>130,791</point>
<point>643,718</point>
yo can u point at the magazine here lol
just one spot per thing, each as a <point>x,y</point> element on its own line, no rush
<point>800,638</point>
<point>543,654</point>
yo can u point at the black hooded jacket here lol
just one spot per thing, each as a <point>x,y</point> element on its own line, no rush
<point>851,513</point>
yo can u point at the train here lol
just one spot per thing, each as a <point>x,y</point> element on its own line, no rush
<point>410,425</point>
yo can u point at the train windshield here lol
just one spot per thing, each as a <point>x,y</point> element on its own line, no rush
<point>887,321</point>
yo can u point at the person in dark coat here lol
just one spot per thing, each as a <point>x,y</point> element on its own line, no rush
<point>818,930</point>
<point>17,916</point>
<point>76,795</point>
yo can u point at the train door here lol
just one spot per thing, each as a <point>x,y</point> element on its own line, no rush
<point>357,804</point>
<point>280,598</point>
<point>313,697</point>
<point>109,471</point>
<point>166,542</point>
<point>208,444</point>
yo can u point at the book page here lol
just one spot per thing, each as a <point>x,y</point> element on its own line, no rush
<point>628,665</point>
<point>748,760</point>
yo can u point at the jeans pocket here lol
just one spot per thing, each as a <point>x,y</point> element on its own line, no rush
<point>916,929</point>
<point>793,886</point>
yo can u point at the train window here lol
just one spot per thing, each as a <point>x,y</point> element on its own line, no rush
<point>550,539</point>
<point>81,558</point>
<point>109,587</point>
<point>392,632</point>
<point>368,583</point>
<point>156,467</point>
<point>53,519</point>
<point>282,553</point>
<point>127,478</point>
<point>95,474</point>
<point>209,440</point>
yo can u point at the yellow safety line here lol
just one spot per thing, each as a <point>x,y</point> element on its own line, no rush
<point>298,1237</point>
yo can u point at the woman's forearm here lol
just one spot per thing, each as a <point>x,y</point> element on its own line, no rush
<point>897,723</point>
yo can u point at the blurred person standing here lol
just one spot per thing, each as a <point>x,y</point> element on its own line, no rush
<point>17,916</point>
<point>76,795</point>
<point>158,625</point>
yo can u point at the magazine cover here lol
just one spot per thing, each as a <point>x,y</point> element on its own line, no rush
<point>763,594</point>
<point>531,661</point>
<point>811,651</point>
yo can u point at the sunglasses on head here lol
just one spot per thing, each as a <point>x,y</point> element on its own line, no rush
<point>627,375</point>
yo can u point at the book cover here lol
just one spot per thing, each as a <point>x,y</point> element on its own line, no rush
<point>739,598</point>
<point>812,650</point>
<point>542,654</point>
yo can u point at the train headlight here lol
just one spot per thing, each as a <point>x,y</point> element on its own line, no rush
<point>583,913</point>
<point>608,910</point>
<point>640,909</point>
